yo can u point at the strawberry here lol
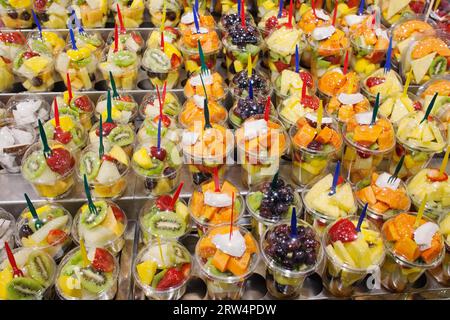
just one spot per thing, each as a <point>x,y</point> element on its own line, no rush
<point>343,230</point>
<point>103,260</point>
<point>434,175</point>
<point>56,236</point>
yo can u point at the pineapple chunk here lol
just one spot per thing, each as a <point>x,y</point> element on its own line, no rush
<point>343,198</point>
<point>36,64</point>
<point>343,254</point>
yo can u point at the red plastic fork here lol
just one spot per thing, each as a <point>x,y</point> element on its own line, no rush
<point>16,271</point>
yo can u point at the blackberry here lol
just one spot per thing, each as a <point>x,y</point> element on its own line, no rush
<point>170,173</point>
<point>25,231</point>
<point>25,16</point>
<point>150,184</point>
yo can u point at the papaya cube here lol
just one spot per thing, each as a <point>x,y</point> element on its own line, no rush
<point>220,260</point>
<point>304,136</point>
<point>407,248</point>
<point>385,140</point>
<point>431,253</point>
<point>250,243</point>
<point>346,112</point>
<point>197,203</point>
<point>206,248</point>
<point>367,133</point>
<point>325,135</point>
<point>366,194</point>
<point>335,139</point>
<point>380,207</point>
<point>209,212</point>
<point>390,231</point>
<point>374,178</point>
<point>238,266</point>
<point>404,223</point>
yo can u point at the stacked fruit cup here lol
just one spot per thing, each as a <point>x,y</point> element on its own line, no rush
<point>52,14</point>
<point>172,14</point>
<point>93,14</point>
<point>132,12</point>
<point>400,272</point>
<point>442,272</point>
<point>105,228</point>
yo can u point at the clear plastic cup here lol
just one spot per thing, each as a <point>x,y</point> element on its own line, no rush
<point>47,183</point>
<point>319,218</point>
<point>53,15</point>
<point>124,109</point>
<point>54,238</point>
<point>124,131</point>
<point>343,113</point>
<point>6,77</point>
<point>201,158</point>
<point>216,88</point>
<point>225,286</point>
<point>334,82</point>
<point>293,88</point>
<point>261,222</point>
<point>123,65</point>
<point>78,135</point>
<point>359,161</point>
<point>158,176</point>
<point>148,132</point>
<point>117,166</point>
<point>15,141</point>
<point>391,16</point>
<point>26,109</point>
<point>16,18</point>
<point>111,238</point>
<point>439,84</point>
<point>244,108</point>
<point>151,211</point>
<point>158,73</point>
<point>308,162</point>
<point>262,86</point>
<point>202,224</point>
<point>150,258</point>
<point>442,272</point>
<point>41,287</point>
<point>70,275</point>
<point>416,156</point>
<point>341,279</point>
<point>91,39</point>
<point>92,17</point>
<point>173,12</point>
<point>132,13</point>
<point>398,273</point>
<point>7,229</point>
<point>385,89</point>
<point>42,79</point>
<point>231,18</point>
<point>262,165</point>
<point>378,212</point>
<point>81,108</point>
<point>286,282</point>
<point>193,112</point>
<point>149,107</point>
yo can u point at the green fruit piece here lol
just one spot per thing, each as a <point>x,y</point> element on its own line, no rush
<point>74,262</point>
<point>38,46</point>
<point>254,50</point>
<point>254,201</point>
<point>121,136</point>
<point>158,277</point>
<point>91,40</point>
<point>90,165</point>
<point>124,58</point>
<point>438,66</point>
<point>180,255</point>
<point>156,60</point>
<point>91,220</point>
<point>40,267</point>
<point>167,225</point>
<point>23,289</point>
<point>323,64</point>
<point>95,281</point>
<point>214,270</point>
<point>77,136</point>
<point>163,186</point>
<point>235,119</point>
<point>34,166</point>
<point>155,170</point>
<point>124,105</point>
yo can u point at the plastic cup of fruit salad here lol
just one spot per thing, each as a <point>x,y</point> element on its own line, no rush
<point>417,149</point>
<point>202,159</point>
<point>441,85</point>
<point>35,70</point>
<point>106,176</point>
<point>245,108</point>
<point>214,210</point>
<point>442,272</point>
<point>343,107</point>
<point>384,199</point>
<point>226,272</point>
<point>148,132</point>
<point>7,229</point>
<point>334,82</point>
<point>92,14</point>
<point>81,108</point>
<point>132,12</point>
<point>163,276</point>
<point>237,52</point>
<point>158,219</point>
<point>160,68</point>
<point>192,112</point>
<point>149,107</point>
<point>405,260</point>
<point>173,12</point>
<point>158,171</point>
<point>106,229</point>
<point>266,211</point>
<point>312,150</point>
<point>51,178</point>
<point>293,108</point>
<point>205,18</point>
<point>397,106</point>
<point>262,164</point>
<point>436,186</point>
<point>289,260</point>
<point>26,109</point>
<point>34,285</point>
<point>392,11</point>
<point>216,88</point>
<point>290,83</point>
<point>211,45</point>
<point>262,86</point>
<point>14,141</point>
<point>54,235</point>
<point>119,134</point>
<point>364,155</point>
<point>91,39</point>
<point>321,208</point>
<point>124,109</point>
<point>351,256</point>
<point>16,18</point>
<point>97,281</point>
<point>123,65</point>
<point>74,136</point>
<point>380,82</point>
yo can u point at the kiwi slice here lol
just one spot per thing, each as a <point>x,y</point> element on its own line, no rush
<point>40,267</point>
<point>438,66</point>
<point>121,136</point>
<point>95,281</point>
<point>34,166</point>
<point>167,225</point>
<point>124,105</point>
<point>90,165</point>
<point>77,134</point>
<point>74,262</point>
<point>254,200</point>
<point>23,289</point>
<point>180,255</point>
<point>91,220</point>
<point>124,58</point>
<point>158,277</point>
